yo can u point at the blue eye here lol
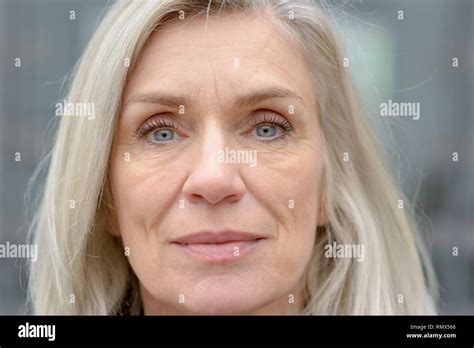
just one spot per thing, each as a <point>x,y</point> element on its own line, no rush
<point>269,127</point>
<point>158,131</point>
<point>164,134</point>
<point>266,131</point>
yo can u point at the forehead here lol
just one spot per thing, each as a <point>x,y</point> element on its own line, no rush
<point>229,52</point>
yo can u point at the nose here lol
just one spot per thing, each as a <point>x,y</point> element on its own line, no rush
<point>209,180</point>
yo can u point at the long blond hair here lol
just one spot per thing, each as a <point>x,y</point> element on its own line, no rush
<point>82,269</point>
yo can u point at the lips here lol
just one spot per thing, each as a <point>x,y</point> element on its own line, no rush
<point>218,246</point>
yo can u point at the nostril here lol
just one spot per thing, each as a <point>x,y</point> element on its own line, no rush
<point>233,198</point>
<point>196,197</point>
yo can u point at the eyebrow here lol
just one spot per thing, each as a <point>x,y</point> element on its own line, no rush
<point>242,100</point>
<point>267,93</point>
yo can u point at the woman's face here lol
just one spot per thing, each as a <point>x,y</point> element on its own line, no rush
<point>216,169</point>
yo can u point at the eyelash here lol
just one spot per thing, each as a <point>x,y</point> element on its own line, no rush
<point>266,118</point>
<point>269,118</point>
<point>152,125</point>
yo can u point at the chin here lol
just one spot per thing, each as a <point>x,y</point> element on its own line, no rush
<point>222,306</point>
<point>224,301</point>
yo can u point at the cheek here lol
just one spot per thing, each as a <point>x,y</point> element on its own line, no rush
<point>288,186</point>
<point>143,192</point>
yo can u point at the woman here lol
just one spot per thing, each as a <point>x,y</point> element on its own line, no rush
<point>228,170</point>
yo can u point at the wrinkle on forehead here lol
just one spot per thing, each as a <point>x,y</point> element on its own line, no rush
<point>190,54</point>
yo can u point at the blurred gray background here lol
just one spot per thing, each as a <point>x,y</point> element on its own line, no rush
<point>409,60</point>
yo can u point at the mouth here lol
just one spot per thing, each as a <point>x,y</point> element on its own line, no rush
<point>226,246</point>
